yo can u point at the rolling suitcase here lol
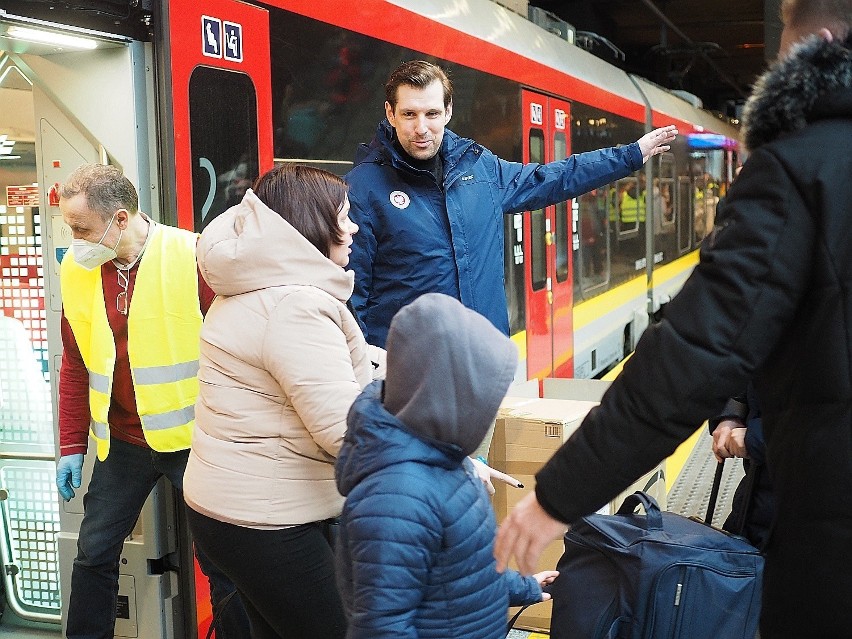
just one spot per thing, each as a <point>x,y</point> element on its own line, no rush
<point>655,575</point>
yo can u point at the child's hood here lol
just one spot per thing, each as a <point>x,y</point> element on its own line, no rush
<point>448,369</point>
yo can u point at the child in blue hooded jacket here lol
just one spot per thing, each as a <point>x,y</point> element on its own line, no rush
<point>415,551</point>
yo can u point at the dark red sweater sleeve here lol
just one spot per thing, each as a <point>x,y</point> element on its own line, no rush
<point>74,414</point>
<point>205,294</point>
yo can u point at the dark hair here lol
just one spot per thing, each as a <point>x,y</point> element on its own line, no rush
<point>835,15</point>
<point>420,74</point>
<point>105,187</point>
<point>309,199</point>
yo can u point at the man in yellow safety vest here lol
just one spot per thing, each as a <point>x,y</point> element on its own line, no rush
<point>130,335</point>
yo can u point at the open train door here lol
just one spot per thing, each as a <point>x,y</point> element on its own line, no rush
<point>549,296</point>
<point>216,115</point>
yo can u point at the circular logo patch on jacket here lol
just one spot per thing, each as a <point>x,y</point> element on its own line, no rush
<point>399,199</point>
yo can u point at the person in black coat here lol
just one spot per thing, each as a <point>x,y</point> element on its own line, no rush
<point>770,300</point>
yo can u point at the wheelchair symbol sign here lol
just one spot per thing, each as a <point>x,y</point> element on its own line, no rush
<point>233,41</point>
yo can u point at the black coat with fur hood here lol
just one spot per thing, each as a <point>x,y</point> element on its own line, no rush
<point>771,300</point>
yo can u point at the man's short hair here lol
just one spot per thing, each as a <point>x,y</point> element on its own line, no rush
<point>419,74</point>
<point>836,15</point>
<point>309,199</point>
<point>105,187</point>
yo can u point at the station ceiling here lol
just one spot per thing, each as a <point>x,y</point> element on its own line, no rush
<point>712,48</point>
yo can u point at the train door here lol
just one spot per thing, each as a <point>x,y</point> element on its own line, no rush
<point>219,98</point>
<point>549,297</point>
<point>220,102</point>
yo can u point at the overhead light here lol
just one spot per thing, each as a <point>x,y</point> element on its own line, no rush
<point>50,37</point>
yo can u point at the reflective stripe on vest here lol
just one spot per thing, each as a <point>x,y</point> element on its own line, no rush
<point>163,329</point>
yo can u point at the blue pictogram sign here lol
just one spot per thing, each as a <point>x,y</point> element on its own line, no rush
<point>233,41</point>
<point>211,37</point>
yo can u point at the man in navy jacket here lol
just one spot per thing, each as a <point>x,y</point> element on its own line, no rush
<point>430,204</point>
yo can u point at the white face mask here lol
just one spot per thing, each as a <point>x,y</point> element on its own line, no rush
<point>91,255</point>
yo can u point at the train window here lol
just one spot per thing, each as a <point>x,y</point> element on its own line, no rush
<point>538,222</point>
<point>630,204</point>
<point>223,140</point>
<point>684,204</point>
<point>513,251</point>
<point>560,152</point>
<point>616,254</point>
<point>664,190</point>
<point>594,238</point>
<point>322,121</point>
<point>665,228</point>
<point>708,175</point>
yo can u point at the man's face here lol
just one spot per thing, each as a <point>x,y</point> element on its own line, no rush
<point>87,224</point>
<point>419,119</point>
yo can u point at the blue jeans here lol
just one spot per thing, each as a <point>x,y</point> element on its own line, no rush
<point>117,492</point>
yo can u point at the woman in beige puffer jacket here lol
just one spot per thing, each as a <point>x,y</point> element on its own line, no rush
<point>282,360</point>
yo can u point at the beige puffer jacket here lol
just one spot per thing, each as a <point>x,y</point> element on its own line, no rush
<point>282,360</point>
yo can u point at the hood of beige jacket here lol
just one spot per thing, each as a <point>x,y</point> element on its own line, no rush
<point>241,251</point>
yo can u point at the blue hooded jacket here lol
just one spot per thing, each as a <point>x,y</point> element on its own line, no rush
<point>418,236</point>
<point>415,550</point>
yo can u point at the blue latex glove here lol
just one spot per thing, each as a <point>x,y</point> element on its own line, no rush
<point>69,475</point>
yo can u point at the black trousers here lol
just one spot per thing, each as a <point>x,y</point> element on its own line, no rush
<point>285,577</point>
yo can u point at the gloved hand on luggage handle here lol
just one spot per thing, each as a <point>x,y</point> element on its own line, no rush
<point>69,474</point>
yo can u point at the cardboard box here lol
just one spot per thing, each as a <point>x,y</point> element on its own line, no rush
<point>527,434</point>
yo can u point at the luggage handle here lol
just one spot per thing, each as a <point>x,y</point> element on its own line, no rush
<point>653,519</point>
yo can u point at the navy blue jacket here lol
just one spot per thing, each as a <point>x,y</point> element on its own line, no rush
<point>418,236</point>
<point>415,549</point>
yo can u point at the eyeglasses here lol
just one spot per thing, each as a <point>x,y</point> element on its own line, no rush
<point>121,300</point>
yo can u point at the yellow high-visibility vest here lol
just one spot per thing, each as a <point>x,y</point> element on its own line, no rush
<point>629,207</point>
<point>163,327</point>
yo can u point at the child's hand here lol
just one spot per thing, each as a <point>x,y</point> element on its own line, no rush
<point>545,578</point>
<point>486,474</point>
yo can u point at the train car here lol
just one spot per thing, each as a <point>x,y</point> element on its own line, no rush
<point>193,100</point>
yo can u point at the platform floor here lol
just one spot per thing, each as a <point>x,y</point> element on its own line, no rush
<point>689,495</point>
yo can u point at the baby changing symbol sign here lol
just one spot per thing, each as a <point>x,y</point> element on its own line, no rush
<point>211,37</point>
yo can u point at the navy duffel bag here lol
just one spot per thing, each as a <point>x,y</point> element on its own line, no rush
<point>656,575</point>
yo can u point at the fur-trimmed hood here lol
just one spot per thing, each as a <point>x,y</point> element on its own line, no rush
<point>814,82</point>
